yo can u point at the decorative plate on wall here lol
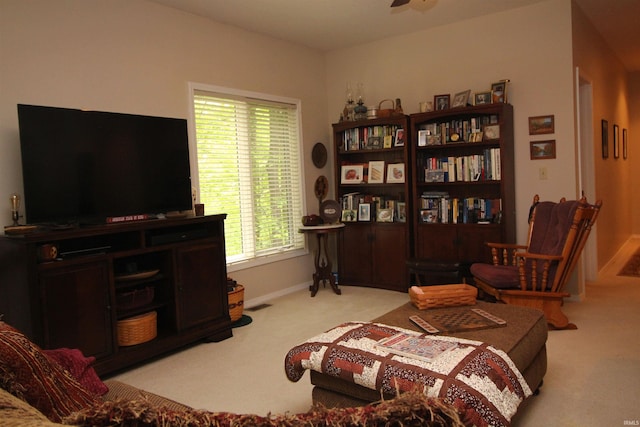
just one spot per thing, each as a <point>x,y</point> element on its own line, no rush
<point>321,188</point>
<point>319,155</point>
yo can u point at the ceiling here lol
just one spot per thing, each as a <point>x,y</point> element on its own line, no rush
<point>334,24</point>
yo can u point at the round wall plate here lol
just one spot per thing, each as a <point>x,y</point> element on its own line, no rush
<point>321,187</point>
<point>319,155</point>
<point>330,211</point>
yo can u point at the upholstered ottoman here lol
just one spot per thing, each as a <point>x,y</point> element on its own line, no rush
<point>523,339</point>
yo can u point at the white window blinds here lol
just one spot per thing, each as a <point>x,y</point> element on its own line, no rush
<point>248,163</point>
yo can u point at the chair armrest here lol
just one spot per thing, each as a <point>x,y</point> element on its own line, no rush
<point>529,279</point>
<point>504,253</point>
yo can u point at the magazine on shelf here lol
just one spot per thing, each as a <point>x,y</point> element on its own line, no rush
<point>416,346</point>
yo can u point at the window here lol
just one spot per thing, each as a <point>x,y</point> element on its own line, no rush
<point>248,165</point>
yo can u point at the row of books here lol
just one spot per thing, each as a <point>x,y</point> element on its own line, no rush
<point>474,167</point>
<point>366,207</point>
<point>454,210</point>
<point>371,137</point>
<point>468,130</point>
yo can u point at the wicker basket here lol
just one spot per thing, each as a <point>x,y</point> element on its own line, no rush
<point>442,296</point>
<point>236,303</point>
<point>138,329</point>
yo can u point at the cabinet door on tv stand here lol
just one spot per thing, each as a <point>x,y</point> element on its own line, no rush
<point>76,308</point>
<point>202,289</point>
<point>355,257</point>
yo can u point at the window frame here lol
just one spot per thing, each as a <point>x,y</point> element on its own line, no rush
<point>253,261</point>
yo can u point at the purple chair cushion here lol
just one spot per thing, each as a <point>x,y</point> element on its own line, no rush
<point>498,276</point>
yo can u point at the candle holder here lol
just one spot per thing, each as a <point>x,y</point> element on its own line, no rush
<point>15,208</point>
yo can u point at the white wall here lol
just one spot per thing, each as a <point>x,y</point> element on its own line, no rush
<point>137,57</point>
<point>531,46</point>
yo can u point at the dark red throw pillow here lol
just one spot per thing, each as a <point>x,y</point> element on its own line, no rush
<point>79,367</point>
<point>27,373</point>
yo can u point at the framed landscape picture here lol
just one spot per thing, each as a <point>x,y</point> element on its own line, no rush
<point>543,149</point>
<point>540,125</point>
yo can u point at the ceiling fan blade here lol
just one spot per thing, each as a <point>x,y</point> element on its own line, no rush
<point>397,3</point>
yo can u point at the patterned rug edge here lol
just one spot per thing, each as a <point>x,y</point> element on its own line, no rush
<point>632,267</point>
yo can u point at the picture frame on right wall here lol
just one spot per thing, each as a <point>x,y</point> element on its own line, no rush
<point>616,141</point>
<point>605,138</point>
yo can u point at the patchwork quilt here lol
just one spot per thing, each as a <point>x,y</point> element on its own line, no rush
<point>482,382</point>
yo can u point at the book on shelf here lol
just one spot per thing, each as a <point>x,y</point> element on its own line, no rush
<point>435,208</point>
<point>473,167</point>
<point>416,346</point>
<point>369,137</point>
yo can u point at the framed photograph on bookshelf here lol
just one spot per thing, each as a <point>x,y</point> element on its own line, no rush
<point>441,102</point>
<point>540,125</point>
<point>543,149</point>
<point>384,215</point>
<point>429,216</point>
<point>395,173</point>
<point>374,142</point>
<point>624,144</point>
<point>376,172</point>
<point>605,138</point>
<point>401,212</point>
<point>499,91</point>
<point>399,138</point>
<point>352,174</point>
<point>364,212</point>
<point>422,138</point>
<point>616,141</point>
<point>481,98</point>
<point>349,215</point>
<point>461,98</point>
<point>491,132</point>
<point>475,137</point>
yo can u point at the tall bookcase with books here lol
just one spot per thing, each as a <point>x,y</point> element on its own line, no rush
<point>463,182</point>
<point>372,179</point>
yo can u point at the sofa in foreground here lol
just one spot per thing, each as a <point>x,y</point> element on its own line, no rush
<point>59,387</point>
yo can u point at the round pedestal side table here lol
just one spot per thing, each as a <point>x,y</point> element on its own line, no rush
<point>322,261</point>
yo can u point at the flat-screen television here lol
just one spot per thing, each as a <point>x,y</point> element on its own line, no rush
<point>83,166</point>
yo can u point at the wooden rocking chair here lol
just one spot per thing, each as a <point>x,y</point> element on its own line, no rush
<point>535,274</point>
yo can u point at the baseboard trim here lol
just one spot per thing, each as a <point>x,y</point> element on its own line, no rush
<point>282,292</point>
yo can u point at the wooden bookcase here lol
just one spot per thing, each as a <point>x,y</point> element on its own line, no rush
<point>457,169</point>
<point>76,299</point>
<point>373,252</point>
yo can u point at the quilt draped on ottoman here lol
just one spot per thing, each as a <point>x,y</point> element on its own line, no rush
<point>480,381</point>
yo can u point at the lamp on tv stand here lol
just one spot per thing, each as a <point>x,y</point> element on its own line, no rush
<point>15,208</point>
<point>16,228</point>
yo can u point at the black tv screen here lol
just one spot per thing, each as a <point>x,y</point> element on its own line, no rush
<point>86,166</point>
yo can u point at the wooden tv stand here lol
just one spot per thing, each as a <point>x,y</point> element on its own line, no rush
<point>76,299</point>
